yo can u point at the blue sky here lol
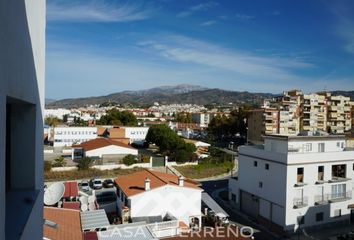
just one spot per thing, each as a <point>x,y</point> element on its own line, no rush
<point>97,47</point>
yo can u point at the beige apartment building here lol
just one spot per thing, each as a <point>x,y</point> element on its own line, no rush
<point>294,112</point>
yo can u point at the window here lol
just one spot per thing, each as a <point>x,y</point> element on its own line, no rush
<point>338,144</point>
<point>321,147</point>
<point>267,166</point>
<point>339,171</point>
<point>338,191</point>
<point>342,145</point>
<point>300,175</point>
<point>255,163</point>
<point>260,184</point>
<point>319,217</point>
<point>320,173</point>
<point>233,197</point>
<point>308,147</point>
<point>301,220</point>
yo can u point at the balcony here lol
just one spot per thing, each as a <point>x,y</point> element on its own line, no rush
<point>338,179</point>
<point>300,202</point>
<point>339,197</point>
<point>321,199</point>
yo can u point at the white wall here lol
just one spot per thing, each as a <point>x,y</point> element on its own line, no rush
<point>181,202</point>
<point>112,149</point>
<point>136,134</point>
<point>22,64</point>
<point>67,136</point>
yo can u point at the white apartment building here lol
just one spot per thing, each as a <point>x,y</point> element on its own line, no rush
<point>203,119</point>
<point>67,136</point>
<point>22,65</point>
<point>296,180</point>
<point>154,196</point>
<point>136,135</point>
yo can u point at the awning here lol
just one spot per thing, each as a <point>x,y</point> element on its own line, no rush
<point>212,204</point>
<point>351,206</point>
<point>92,220</point>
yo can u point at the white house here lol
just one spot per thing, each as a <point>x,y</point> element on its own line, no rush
<point>136,135</point>
<point>67,136</point>
<point>296,181</point>
<point>102,146</point>
<point>155,196</point>
<point>22,65</point>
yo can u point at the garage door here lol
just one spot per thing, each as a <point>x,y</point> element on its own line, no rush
<point>249,204</point>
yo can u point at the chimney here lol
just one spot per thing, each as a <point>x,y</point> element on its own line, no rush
<point>181,181</point>
<point>147,184</point>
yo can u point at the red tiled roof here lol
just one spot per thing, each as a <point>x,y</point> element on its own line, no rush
<point>134,183</point>
<point>72,205</point>
<point>100,143</point>
<point>71,189</point>
<point>69,224</point>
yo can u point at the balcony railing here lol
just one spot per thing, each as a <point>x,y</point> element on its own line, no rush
<point>337,197</point>
<point>300,202</point>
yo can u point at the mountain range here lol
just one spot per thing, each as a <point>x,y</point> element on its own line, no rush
<point>183,93</point>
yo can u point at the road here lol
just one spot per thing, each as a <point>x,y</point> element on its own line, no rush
<point>211,187</point>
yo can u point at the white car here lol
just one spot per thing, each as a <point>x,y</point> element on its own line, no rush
<point>97,183</point>
<point>85,185</point>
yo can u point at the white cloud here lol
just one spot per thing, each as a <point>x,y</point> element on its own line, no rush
<point>95,11</point>
<point>200,7</point>
<point>208,23</point>
<point>187,50</point>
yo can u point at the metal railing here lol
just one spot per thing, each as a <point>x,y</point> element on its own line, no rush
<point>333,196</point>
<point>300,201</point>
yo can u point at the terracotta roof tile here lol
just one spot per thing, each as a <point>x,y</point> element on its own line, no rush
<point>100,143</point>
<point>134,183</point>
<point>69,224</point>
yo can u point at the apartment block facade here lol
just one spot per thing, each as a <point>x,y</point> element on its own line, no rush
<point>294,182</point>
<point>22,65</point>
<point>298,112</point>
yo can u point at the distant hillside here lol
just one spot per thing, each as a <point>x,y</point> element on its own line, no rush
<point>183,93</point>
<point>167,95</point>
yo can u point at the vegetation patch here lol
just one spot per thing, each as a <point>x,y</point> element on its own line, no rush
<point>86,174</point>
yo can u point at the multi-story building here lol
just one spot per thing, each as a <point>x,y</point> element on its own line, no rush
<point>133,135</point>
<point>22,64</point>
<point>302,112</point>
<point>203,119</point>
<point>67,136</point>
<point>260,122</point>
<point>296,181</point>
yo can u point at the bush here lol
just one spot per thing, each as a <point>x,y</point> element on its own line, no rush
<point>47,166</point>
<point>129,160</point>
<point>84,163</point>
<point>59,162</point>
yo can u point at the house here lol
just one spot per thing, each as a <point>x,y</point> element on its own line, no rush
<point>99,147</point>
<point>154,196</point>
<point>22,65</point>
<point>65,224</point>
<point>202,147</point>
<point>294,182</point>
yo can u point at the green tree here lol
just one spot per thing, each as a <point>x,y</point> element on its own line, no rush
<point>116,117</point>
<point>84,163</point>
<point>129,160</point>
<point>52,121</point>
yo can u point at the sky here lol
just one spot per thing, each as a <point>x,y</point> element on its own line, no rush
<point>98,47</point>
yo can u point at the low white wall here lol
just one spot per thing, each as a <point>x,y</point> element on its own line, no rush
<point>181,164</point>
<point>105,167</point>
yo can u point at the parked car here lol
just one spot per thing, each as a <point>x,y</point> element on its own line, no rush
<point>108,183</point>
<point>97,183</point>
<point>85,185</point>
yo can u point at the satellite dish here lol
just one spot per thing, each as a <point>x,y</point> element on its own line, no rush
<point>84,207</point>
<point>54,193</point>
